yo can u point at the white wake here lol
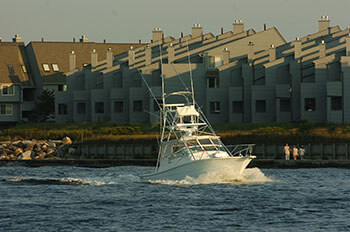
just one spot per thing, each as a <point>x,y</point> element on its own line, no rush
<point>249,176</point>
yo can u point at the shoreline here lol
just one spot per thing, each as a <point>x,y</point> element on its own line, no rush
<point>105,163</point>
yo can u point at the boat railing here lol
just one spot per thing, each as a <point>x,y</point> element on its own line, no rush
<point>241,149</point>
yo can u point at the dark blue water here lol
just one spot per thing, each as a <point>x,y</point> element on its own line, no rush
<point>114,199</point>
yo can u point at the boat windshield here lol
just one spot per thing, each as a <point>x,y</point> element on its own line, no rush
<point>194,146</point>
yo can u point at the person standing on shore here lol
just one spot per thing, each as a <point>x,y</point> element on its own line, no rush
<point>302,152</point>
<point>286,151</point>
<point>295,153</point>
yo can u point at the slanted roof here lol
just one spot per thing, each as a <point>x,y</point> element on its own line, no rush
<point>58,53</point>
<point>12,53</point>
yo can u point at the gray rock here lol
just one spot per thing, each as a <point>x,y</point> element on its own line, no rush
<point>26,155</point>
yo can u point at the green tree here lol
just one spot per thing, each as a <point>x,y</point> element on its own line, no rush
<point>44,106</point>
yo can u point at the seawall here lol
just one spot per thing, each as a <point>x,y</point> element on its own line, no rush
<point>104,163</point>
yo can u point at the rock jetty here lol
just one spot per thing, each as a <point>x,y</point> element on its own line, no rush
<point>36,149</point>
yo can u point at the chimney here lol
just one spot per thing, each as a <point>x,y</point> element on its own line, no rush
<point>0,39</point>
<point>17,38</point>
<point>322,49</point>
<point>272,53</point>
<point>148,55</point>
<point>42,39</point>
<point>131,56</point>
<point>139,41</point>
<point>250,51</point>
<point>197,30</point>
<point>157,34</point>
<point>297,48</point>
<point>264,26</point>
<point>73,40</point>
<point>171,53</point>
<point>104,41</point>
<point>226,56</point>
<point>109,57</point>
<point>323,23</point>
<point>93,58</point>
<point>238,27</point>
<point>347,48</point>
<point>72,61</point>
<point>182,34</point>
<point>83,39</point>
<point>222,30</point>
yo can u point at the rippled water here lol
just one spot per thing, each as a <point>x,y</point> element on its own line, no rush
<point>114,199</point>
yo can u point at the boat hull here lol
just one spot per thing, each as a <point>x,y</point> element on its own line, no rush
<point>196,168</point>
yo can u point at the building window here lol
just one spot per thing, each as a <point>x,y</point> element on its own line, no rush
<point>6,109</point>
<point>336,103</point>
<point>55,67</point>
<point>213,82</point>
<point>237,107</point>
<point>138,106</point>
<point>118,106</point>
<point>260,106</point>
<point>11,69</point>
<point>285,105</point>
<point>215,107</point>
<point>62,88</point>
<point>24,69</point>
<point>46,67</point>
<point>62,109</point>
<point>99,107</point>
<point>310,104</point>
<point>157,104</point>
<point>8,90</point>
<point>81,107</point>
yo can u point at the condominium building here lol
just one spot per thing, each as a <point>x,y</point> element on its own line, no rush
<point>239,76</point>
<point>16,85</point>
<point>25,70</point>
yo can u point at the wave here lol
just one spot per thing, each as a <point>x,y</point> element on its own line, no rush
<point>55,181</point>
<point>249,176</point>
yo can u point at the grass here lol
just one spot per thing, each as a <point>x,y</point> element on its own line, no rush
<point>109,132</point>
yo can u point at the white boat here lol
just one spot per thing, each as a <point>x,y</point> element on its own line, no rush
<point>189,146</point>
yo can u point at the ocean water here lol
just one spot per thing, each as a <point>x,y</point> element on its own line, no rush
<point>66,198</point>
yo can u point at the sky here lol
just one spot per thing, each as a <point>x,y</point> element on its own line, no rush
<point>133,20</point>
